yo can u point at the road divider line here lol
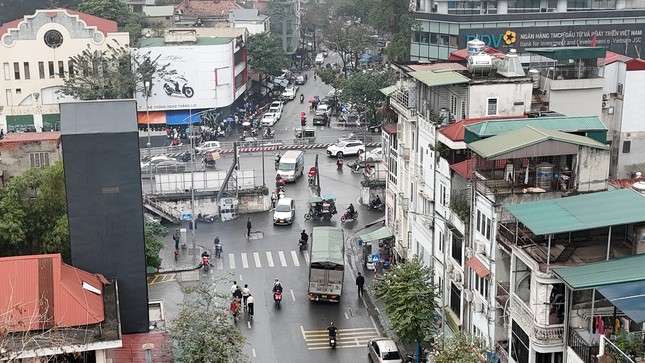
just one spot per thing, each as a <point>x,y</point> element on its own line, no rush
<point>256,257</point>
<point>346,317</point>
<point>302,331</point>
<point>253,353</point>
<point>294,256</point>
<point>231,260</point>
<point>307,258</point>
<point>220,264</point>
<point>248,323</point>
<point>270,259</point>
<point>283,261</point>
<point>293,296</point>
<point>245,262</point>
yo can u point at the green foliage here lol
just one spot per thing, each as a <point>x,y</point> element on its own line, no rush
<point>116,10</point>
<point>410,300</point>
<point>350,41</point>
<point>356,10</point>
<point>459,203</point>
<point>257,190</point>
<point>203,331</point>
<point>364,89</point>
<point>394,17</point>
<point>33,213</point>
<point>314,19</point>
<point>113,73</point>
<point>331,76</point>
<point>459,348</point>
<point>265,54</point>
<point>152,243</point>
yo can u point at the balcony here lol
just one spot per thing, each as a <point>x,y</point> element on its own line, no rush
<point>501,350</point>
<point>624,348</point>
<point>586,352</point>
<point>544,335</point>
<point>404,105</point>
<point>503,294</point>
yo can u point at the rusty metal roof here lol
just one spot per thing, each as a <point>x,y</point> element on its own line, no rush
<point>30,137</point>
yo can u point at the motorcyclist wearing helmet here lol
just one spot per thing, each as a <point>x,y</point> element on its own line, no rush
<point>304,237</point>
<point>277,285</point>
<point>332,329</point>
<point>350,210</point>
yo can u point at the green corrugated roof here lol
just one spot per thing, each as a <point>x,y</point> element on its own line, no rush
<point>327,245</point>
<point>436,78</point>
<point>592,275</point>
<point>567,124</point>
<point>161,42</point>
<point>378,234</point>
<point>526,136</point>
<point>560,53</point>
<point>388,90</point>
<point>581,212</point>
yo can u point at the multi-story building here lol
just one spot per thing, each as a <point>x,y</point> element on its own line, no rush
<point>446,25</point>
<point>20,151</point>
<point>251,19</point>
<point>34,54</point>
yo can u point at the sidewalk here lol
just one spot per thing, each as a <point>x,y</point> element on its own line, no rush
<point>185,261</point>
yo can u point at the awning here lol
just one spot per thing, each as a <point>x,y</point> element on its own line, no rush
<point>380,233</point>
<point>388,90</point>
<point>628,297</point>
<point>182,117</point>
<point>478,267</point>
<point>156,118</point>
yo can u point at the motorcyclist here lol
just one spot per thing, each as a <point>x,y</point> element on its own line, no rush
<point>302,97</point>
<point>350,210</point>
<point>339,162</point>
<point>304,237</point>
<point>377,201</point>
<point>277,158</point>
<point>332,329</point>
<point>218,246</point>
<point>277,285</point>
<point>206,254</point>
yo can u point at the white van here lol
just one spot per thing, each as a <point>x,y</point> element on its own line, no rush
<point>320,59</point>
<point>292,165</point>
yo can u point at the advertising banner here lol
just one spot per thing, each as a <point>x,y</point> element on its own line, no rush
<point>203,80</point>
<point>620,38</point>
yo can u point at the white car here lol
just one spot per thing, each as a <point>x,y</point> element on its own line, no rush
<point>278,105</point>
<point>323,109</point>
<point>289,93</point>
<point>374,155</point>
<point>269,119</point>
<point>383,350</point>
<point>285,211</point>
<point>209,147</point>
<point>277,111</point>
<point>350,147</point>
<point>155,160</point>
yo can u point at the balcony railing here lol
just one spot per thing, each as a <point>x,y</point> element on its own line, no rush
<point>613,351</point>
<point>548,334</point>
<point>501,351</point>
<point>587,353</point>
<point>503,293</point>
<point>401,101</point>
<point>521,313</point>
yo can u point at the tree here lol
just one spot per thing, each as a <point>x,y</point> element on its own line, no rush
<point>116,10</point>
<point>152,244</point>
<point>331,77</point>
<point>114,73</point>
<point>356,10</point>
<point>459,348</point>
<point>363,88</point>
<point>396,18</point>
<point>33,213</point>
<point>266,56</point>
<point>203,331</point>
<point>410,300</point>
<point>314,18</point>
<point>348,40</point>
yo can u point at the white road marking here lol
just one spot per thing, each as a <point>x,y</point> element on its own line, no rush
<point>231,260</point>
<point>293,296</point>
<point>245,262</point>
<point>269,259</point>
<point>346,317</point>
<point>294,256</point>
<point>307,258</point>
<point>248,323</point>
<point>302,331</point>
<point>220,264</point>
<point>283,261</point>
<point>256,257</point>
<point>253,353</point>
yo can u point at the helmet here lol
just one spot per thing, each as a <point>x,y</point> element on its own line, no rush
<point>331,324</point>
<point>276,279</point>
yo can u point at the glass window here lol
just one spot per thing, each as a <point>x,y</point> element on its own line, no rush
<point>61,69</point>
<point>434,38</point>
<point>41,70</point>
<point>457,247</point>
<point>491,107</point>
<point>16,70</point>
<point>455,301</point>
<point>425,37</point>
<point>481,285</point>
<point>37,160</point>
<point>443,39</point>
<point>417,37</point>
<point>627,145</point>
<point>7,71</point>
<point>519,344</point>
<point>52,73</point>
<point>26,70</point>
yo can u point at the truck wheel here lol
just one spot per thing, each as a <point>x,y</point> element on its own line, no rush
<point>307,216</point>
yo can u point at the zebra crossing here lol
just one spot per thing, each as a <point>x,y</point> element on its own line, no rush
<point>347,338</point>
<point>271,259</point>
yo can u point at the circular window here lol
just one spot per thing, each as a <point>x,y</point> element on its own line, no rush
<point>53,38</point>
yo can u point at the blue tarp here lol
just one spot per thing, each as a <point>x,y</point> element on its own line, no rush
<point>181,117</point>
<point>629,297</point>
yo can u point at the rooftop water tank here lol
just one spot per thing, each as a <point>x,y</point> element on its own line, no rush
<point>534,74</point>
<point>639,187</point>
<point>481,63</point>
<point>475,46</point>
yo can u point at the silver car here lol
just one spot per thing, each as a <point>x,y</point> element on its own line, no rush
<point>165,167</point>
<point>383,350</point>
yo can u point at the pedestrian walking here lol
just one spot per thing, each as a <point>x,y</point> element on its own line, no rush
<point>246,292</point>
<point>360,281</point>
<point>235,308</point>
<point>329,121</point>
<point>248,228</point>
<point>250,302</point>
<point>176,237</point>
<point>238,294</point>
<point>233,288</point>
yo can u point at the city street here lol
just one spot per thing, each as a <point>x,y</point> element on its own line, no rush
<point>297,331</point>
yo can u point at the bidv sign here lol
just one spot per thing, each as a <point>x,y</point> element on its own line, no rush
<point>495,40</point>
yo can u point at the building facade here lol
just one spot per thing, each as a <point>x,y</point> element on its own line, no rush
<point>23,150</point>
<point>446,26</point>
<point>34,54</point>
<point>251,19</point>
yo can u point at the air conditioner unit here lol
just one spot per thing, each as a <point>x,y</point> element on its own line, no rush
<point>479,307</point>
<point>468,295</point>
<point>469,253</point>
<point>480,248</point>
<point>605,97</point>
<point>605,104</point>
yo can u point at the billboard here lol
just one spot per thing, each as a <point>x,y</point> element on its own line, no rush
<point>620,38</point>
<point>204,77</point>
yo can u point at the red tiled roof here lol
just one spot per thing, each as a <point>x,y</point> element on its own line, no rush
<point>626,183</point>
<point>24,137</point>
<point>455,132</point>
<point>612,57</point>
<point>390,129</point>
<point>132,351</point>
<point>464,168</point>
<point>635,64</point>
<point>41,291</point>
<point>207,8</point>
<point>103,25</point>
<point>462,54</point>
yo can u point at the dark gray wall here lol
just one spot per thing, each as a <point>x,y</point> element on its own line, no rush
<point>103,183</point>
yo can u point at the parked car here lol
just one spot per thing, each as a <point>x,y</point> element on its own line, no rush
<point>289,93</point>
<point>165,167</point>
<point>320,119</point>
<point>269,119</point>
<point>300,79</point>
<point>351,147</point>
<point>373,155</point>
<point>323,109</point>
<point>209,147</point>
<point>383,350</point>
<point>277,105</point>
<point>276,111</point>
<point>285,211</point>
<point>155,160</point>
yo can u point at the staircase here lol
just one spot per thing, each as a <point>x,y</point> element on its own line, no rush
<point>162,209</point>
<point>566,253</point>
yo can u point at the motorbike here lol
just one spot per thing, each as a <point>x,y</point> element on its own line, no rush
<point>218,252</point>
<point>185,157</point>
<point>205,218</point>
<point>346,216</point>
<point>206,262</point>
<point>339,164</point>
<point>302,245</point>
<point>269,134</point>
<point>332,340</point>
<point>277,298</point>
<point>302,98</point>
<point>378,205</point>
<point>172,87</point>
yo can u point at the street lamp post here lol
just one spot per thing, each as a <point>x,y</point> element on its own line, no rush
<point>192,181</point>
<point>149,144</point>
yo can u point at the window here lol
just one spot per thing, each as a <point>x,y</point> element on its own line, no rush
<point>619,89</point>
<point>440,241</point>
<point>443,197</point>
<point>41,70</point>
<point>70,67</point>
<point>25,66</point>
<point>37,160</point>
<point>7,71</point>
<point>627,145</point>
<point>488,223</point>
<point>455,302</point>
<point>457,247</point>
<point>481,285</point>
<point>411,192</point>
<point>51,69</point>
<point>479,218</point>
<point>16,70</point>
<point>519,344</point>
<point>491,109</point>
<point>61,69</point>
<point>8,97</point>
